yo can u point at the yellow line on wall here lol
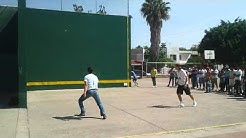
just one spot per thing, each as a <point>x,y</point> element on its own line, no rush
<point>73,82</point>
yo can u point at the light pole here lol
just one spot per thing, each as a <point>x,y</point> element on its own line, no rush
<point>127,7</point>
<point>96,6</point>
<point>61,5</point>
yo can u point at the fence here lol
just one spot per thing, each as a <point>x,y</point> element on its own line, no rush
<point>112,7</point>
<point>164,67</point>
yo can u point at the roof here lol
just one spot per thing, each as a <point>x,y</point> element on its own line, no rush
<point>6,14</point>
<point>136,63</point>
<point>189,52</point>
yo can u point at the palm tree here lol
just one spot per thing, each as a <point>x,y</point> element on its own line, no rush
<point>155,11</point>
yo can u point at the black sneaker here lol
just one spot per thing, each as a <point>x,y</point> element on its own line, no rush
<point>81,114</point>
<point>104,116</point>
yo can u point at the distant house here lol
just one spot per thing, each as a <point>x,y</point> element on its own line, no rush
<point>137,54</point>
<point>180,57</point>
<point>137,58</point>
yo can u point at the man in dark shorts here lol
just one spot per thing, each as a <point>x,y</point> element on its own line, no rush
<point>182,82</point>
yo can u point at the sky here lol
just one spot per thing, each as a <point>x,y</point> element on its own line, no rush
<point>188,18</point>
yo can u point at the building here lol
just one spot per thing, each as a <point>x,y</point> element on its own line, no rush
<point>180,57</point>
<point>137,54</point>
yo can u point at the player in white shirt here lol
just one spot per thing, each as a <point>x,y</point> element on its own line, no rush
<point>91,90</point>
<point>182,82</point>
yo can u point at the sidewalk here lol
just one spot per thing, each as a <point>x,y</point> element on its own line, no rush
<point>132,112</point>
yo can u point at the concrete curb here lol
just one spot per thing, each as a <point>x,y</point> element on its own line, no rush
<point>22,129</point>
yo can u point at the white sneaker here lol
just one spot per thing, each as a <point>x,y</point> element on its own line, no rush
<point>194,104</point>
<point>181,105</point>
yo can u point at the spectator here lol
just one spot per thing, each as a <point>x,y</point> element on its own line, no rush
<point>222,80</point>
<point>238,79</point>
<point>201,77</point>
<point>194,73</point>
<point>231,81</point>
<point>172,75</point>
<point>214,78</point>
<point>227,75</point>
<point>208,81</point>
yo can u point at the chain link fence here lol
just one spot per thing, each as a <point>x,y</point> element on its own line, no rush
<point>162,67</point>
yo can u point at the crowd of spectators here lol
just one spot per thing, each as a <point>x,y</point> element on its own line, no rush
<point>231,80</point>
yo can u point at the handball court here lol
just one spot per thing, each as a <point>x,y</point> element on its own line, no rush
<point>132,112</point>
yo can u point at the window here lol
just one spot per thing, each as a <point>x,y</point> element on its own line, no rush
<point>173,57</point>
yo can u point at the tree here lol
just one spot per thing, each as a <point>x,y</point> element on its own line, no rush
<point>182,49</point>
<point>194,48</point>
<point>102,10</point>
<point>77,8</point>
<point>154,11</point>
<point>161,56</point>
<point>228,40</point>
<point>163,50</point>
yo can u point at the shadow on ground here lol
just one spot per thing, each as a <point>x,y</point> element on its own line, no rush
<point>68,118</point>
<point>163,106</point>
<point>237,98</point>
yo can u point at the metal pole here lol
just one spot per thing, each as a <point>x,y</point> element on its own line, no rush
<point>61,5</point>
<point>127,7</point>
<point>96,6</point>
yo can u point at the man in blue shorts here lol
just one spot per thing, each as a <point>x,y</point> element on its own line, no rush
<point>182,82</point>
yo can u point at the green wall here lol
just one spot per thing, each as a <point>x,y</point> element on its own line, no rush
<point>8,56</point>
<point>55,48</point>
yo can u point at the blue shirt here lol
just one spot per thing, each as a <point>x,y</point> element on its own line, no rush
<point>134,74</point>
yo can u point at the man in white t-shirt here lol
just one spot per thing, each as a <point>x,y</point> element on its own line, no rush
<point>238,78</point>
<point>214,78</point>
<point>182,82</point>
<point>91,90</point>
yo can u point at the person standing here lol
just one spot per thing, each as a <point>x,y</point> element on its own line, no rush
<point>222,80</point>
<point>201,78</point>
<point>153,73</point>
<point>134,78</point>
<point>182,82</point>
<point>208,80</point>
<point>214,78</point>
<point>227,76</point>
<point>172,74</point>
<point>194,79</point>
<point>238,78</point>
<point>91,90</point>
<point>231,81</point>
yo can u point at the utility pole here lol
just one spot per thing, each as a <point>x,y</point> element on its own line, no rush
<point>96,6</point>
<point>128,8</point>
<point>61,5</point>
